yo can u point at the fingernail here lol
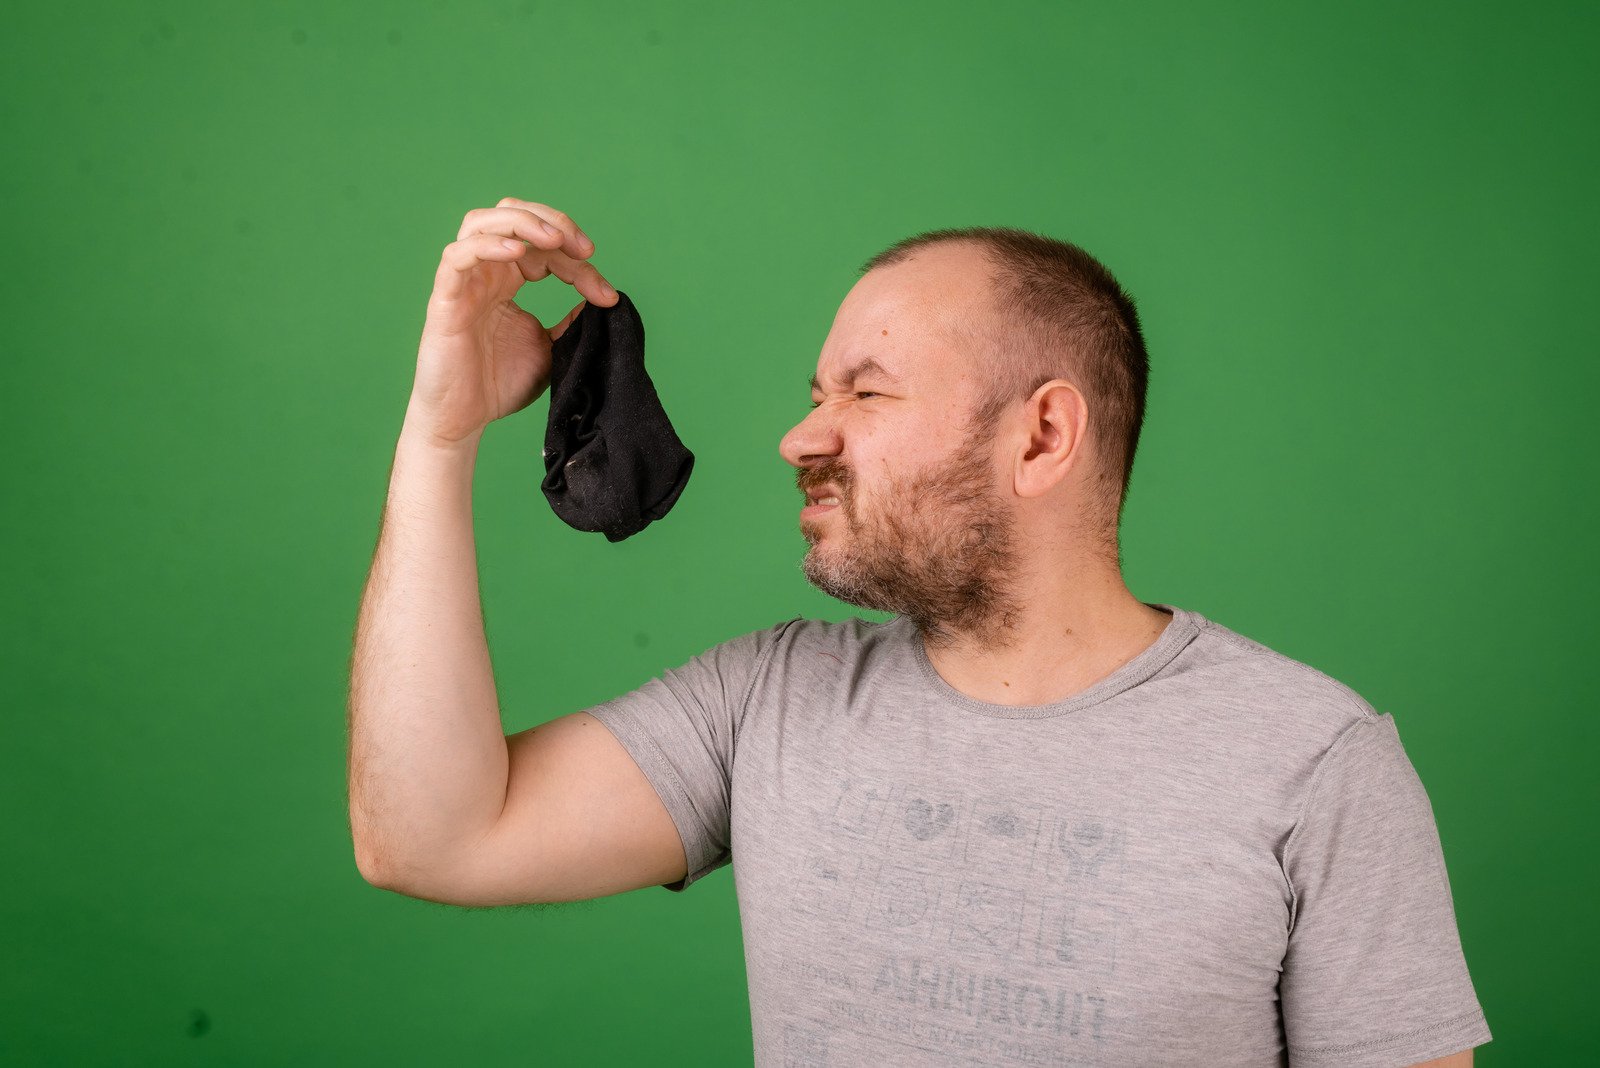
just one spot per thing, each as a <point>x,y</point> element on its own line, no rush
<point>608,291</point>
<point>553,231</point>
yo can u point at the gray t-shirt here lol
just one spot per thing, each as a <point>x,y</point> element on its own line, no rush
<point>1215,855</point>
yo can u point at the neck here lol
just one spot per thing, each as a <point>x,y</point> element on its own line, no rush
<point>1075,623</point>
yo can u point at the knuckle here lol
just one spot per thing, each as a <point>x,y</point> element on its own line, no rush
<point>552,214</point>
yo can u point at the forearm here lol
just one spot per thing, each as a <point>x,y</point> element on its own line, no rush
<point>427,751</point>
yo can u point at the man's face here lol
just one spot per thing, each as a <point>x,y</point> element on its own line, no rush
<point>921,528</point>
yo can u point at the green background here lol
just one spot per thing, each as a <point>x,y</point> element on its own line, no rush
<point>1362,241</point>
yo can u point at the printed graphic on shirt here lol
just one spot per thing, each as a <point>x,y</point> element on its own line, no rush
<point>989,928</point>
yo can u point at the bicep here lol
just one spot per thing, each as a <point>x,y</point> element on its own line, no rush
<point>580,821</point>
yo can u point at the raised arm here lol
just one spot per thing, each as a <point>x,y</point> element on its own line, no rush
<point>441,806</point>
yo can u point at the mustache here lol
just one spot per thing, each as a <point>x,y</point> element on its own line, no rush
<point>813,478</point>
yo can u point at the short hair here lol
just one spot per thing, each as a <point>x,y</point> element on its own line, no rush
<point>1057,313</point>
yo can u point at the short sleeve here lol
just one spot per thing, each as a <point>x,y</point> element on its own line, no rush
<point>1374,973</point>
<point>680,728</point>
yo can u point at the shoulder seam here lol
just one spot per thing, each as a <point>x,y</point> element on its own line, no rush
<point>760,665</point>
<point>1311,795</point>
<point>1362,706</point>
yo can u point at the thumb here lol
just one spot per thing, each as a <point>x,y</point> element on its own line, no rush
<point>561,327</point>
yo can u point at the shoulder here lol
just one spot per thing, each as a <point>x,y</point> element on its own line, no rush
<point>848,637</point>
<point>811,654</point>
<point>779,644</point>
<point>1262,686</point>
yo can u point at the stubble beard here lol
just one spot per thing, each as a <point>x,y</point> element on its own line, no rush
<point>939,550</point>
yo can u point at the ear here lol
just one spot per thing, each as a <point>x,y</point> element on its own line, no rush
<point>1055,421</point>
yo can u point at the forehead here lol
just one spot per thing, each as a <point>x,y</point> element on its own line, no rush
<point>900,325</point>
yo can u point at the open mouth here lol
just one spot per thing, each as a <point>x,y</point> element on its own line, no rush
<point>820,501</point>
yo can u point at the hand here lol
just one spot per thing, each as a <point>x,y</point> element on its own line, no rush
<point>482,357</point>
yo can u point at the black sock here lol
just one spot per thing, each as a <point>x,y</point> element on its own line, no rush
<point>612,461</point>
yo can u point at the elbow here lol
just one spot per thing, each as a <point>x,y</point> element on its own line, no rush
<point>376,857</point>
<point>382,869</point>
<point>376,867</point>
<point>437,883</point>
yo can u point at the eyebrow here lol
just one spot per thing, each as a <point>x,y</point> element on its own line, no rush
<point>865,367</point>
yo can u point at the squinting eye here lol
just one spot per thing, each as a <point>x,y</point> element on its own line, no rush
<point>864,393</point>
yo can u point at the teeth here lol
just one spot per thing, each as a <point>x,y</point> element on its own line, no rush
<point>827,500</point>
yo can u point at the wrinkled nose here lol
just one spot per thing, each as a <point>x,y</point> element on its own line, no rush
<point>812,439</point>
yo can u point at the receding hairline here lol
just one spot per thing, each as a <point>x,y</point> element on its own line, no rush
<point>933,239</point>
<point>975,325</point>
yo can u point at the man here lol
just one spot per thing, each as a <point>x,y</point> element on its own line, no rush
<point>1029,820</point>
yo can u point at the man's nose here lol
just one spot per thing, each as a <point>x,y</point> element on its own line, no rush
<point>814,436</point>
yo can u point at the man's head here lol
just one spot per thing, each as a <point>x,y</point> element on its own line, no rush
<point>979,389</point>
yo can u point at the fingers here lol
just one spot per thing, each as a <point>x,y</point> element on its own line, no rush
<point>461,256</point>
<point>540,224</point>
<point>559,246</point>
<point>579,274</point>
<point>513,222</point>
<point>577,245</point>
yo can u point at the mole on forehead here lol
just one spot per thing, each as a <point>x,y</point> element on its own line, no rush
<point>866,366</point>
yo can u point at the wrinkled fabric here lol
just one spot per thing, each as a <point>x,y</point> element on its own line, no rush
<point>612,461</point>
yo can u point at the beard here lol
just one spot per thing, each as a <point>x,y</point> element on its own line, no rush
<point>938,548</point>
